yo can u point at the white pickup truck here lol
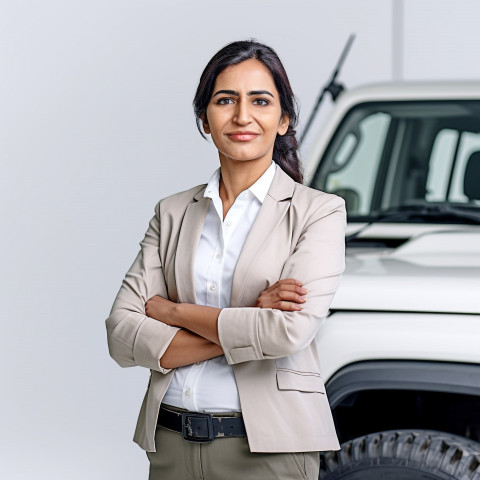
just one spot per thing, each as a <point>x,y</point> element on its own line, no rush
<point>401,347</point>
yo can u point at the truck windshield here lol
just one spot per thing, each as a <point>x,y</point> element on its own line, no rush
<point>420,156</point>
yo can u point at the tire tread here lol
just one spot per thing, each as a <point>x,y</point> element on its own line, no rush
<point>447,455</point>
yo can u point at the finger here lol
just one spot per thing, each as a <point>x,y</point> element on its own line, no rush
<point>290,281</point>
<point>270,289</point>
<point>288,306</point>
<point>292,288</point>
<point>291,297</point>
<point>290,285</point>
<point>279,283</point>
<point>283,282</point>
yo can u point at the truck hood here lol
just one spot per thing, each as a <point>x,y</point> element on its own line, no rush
<point>436,271</point>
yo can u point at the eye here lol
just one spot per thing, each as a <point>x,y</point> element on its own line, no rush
<point>261,101</point>
<point>224,101</point>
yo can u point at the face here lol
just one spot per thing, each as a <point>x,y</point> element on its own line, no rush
<point>244,114</point>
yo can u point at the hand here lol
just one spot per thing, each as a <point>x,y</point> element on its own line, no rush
<point>287,295</point>
<point>160,309</point>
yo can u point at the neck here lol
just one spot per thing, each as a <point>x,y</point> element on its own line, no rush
<point>237,177</point>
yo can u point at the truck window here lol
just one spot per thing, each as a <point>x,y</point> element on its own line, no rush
<point>387,155</point>
<point>442,166</point>
<point>469,143</point>
<point>358,171</point>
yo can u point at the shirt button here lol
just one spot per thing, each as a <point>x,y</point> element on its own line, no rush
<point>198,363</point>
<point>228,223</point>
<point>218,256</point>
<point>245,195</point>
<point>187,392</point>
<point>213,286</point>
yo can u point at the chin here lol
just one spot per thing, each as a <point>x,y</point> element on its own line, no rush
<point>244,156</point>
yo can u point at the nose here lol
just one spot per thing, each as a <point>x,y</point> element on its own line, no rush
<point>242,113</point>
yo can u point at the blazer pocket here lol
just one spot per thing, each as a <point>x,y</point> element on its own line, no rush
<point>300,381</point>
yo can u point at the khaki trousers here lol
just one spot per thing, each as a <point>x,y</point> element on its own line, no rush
<point>225,459</point>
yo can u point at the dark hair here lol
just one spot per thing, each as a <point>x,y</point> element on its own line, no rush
<point>285,147</point>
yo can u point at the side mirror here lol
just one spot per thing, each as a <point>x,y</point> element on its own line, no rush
<point>345,151</point>
<point>351,197</point>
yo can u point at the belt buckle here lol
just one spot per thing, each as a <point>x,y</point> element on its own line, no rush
<point>197,427</point>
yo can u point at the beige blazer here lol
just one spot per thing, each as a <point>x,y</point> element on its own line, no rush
<point>298,233</point>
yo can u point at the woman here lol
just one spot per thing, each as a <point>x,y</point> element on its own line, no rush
<point>230,287</point>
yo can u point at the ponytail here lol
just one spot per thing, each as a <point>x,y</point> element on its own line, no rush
<point>285,154</point>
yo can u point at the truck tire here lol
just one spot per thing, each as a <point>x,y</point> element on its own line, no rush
<point>404,455</point>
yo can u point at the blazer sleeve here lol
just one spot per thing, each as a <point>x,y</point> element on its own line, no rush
<point>135,339</point>
<point>318,260</point>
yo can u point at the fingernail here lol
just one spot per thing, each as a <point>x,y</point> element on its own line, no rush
<point>303,290</point>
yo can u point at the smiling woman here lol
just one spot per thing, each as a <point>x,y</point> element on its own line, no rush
<point>269,87</point>
<point>233,280</point>
<point>245,121</point>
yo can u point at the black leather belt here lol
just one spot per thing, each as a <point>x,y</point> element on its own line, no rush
<point>201,427</point>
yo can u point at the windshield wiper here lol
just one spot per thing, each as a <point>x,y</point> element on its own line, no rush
<point>429,212</point>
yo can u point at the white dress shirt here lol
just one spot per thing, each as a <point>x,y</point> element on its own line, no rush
<point>210,386</point>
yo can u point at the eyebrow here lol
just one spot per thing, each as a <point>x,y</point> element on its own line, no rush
<point>253,92</point>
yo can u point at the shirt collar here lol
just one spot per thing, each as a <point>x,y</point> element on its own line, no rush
<point>211,189</point>
<point>259,188</point>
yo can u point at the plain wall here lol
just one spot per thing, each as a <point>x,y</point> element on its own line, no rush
<point>96,126</point>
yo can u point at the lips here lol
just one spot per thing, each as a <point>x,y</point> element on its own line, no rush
<point>242,136</point>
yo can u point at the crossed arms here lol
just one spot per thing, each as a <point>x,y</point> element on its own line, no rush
<point>147,330</point>
<point>198,338</point>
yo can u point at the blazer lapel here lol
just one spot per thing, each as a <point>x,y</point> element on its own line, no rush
<point>188,239</point>
<point>271,213</point>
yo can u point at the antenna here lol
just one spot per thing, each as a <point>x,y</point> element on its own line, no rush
<point>332,86</point>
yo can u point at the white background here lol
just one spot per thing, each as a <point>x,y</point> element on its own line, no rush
<point>96,126</point>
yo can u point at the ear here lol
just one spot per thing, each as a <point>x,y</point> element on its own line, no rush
<point>283,125</point>
<point>206,128</point>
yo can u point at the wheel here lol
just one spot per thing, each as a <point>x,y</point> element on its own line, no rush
<point>404,455</point>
